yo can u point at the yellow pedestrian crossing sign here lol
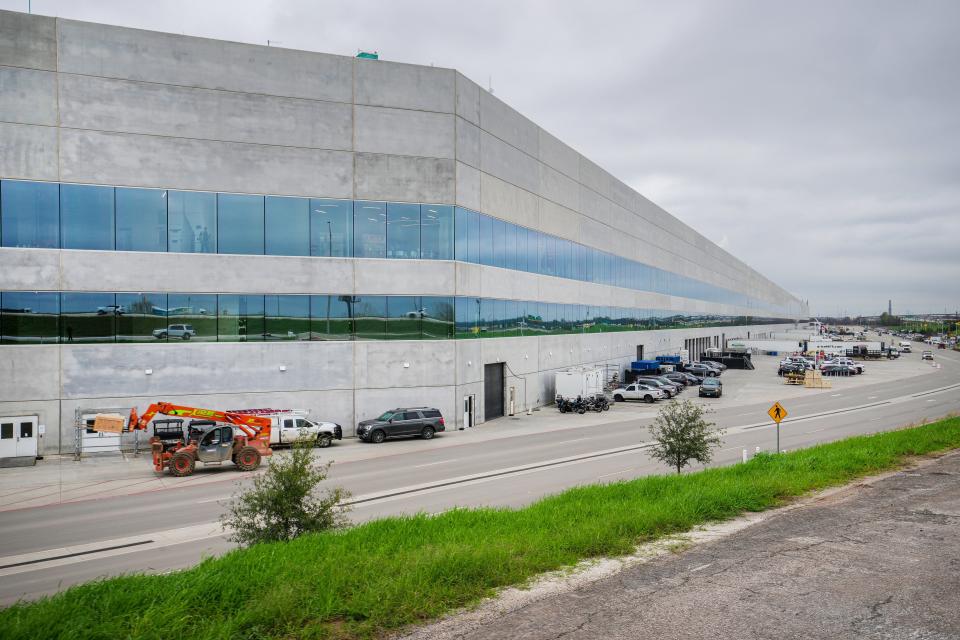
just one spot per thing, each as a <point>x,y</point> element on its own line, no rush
<point>777,412</point>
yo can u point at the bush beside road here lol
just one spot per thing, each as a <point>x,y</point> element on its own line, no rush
<point>395,572</point>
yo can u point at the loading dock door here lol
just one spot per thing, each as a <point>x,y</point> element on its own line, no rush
<point>493,391</point>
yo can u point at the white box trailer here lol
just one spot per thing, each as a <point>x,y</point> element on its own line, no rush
<point>585,383</point>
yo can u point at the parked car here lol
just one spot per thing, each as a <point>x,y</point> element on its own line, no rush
<point>857,366</point>
<point>674,387</point>
<point>410,421</point>
<point>111,309</point>
<point>182,331</point>
<point>837,370</point>
<point>926,355</point>
<point>638,391</point>
<point>714,364</point>
<point>791,367</point>
<point>680,377</point>
<point>700,369</point>
<point>711,387</point>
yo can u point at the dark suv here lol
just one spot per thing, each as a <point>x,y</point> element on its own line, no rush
<point>413,421</point>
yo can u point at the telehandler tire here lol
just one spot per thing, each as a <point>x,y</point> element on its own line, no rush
<point>247,459</point>
<point>182,464</point>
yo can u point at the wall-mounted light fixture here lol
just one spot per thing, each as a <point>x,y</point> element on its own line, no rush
<point>283,367</point>
<point>148,372</point>
<point>406,365</point>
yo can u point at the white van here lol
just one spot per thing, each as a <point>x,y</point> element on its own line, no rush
<point>905,347</point>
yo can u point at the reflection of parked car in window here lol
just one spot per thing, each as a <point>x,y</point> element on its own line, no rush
<point>116,309</point>
<point>182,331</point>
<point>419,313</point>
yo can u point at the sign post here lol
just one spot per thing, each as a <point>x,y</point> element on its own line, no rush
<point>777,413</point>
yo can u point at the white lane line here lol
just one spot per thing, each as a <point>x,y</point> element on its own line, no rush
<point>871,397</point>
<point>818,430</point>
<point>574,440</point>
<point>209,500</point>
<point>931,400</point>
<point>431,464</point>
<point>875,419</point>
<point>700,568</point>
<point>835,395</point>
<point>615,473</point>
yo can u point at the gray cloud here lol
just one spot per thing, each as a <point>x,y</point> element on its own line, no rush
<point>817,141</point>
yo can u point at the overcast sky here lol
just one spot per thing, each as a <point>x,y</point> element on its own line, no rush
<point>819,141</point>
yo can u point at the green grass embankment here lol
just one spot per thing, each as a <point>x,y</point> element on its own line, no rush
<point>396,571</point>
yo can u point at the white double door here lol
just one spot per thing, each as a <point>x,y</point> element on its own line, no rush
<point>18,436</point>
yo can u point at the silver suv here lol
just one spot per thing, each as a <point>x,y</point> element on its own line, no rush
<point>182,331</point>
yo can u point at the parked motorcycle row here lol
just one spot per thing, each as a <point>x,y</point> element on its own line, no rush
<point>582,405</point>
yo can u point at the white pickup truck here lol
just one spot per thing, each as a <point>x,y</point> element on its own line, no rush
<point>287,426</point>
<point>638,391</point>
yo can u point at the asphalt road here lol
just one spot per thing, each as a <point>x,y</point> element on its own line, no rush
<point>871,562</point>
<point>168,529</point>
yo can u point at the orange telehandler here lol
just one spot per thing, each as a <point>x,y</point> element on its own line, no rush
<point>210,437</point>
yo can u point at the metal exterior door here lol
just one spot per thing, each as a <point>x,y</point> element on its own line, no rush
<point>493,391</point>
<point>19,436</point>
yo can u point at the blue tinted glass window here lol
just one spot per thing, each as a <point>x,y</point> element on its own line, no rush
<point>404,317</point>
<point>141,219</point>
<point>437,318</point>
<point>331,317</point>
<point>403,230</point>
<point>239,224</point>
<point>370,317</point>
<point>30,214</point>
<point>370,229</point>
<point>331,228</point>
<point>192,220</point>
<point>29,317</point>
<point>511,250</point>
<point>286,318</point>
<point>499,243</point>
<point>485,248</point>
<point>468,317</point>
<point>86,217</point>
<point>191,317</point>
<point>142,317</point>
<point>88,317</point>
<point>436,232</point>
<point>487,319</point>
<point>462,239</point>
<point>241,318</point>
<point>286,226</point>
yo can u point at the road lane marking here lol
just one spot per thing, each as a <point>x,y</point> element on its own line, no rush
<point>871,397</point>
<point>431,464</point>
<point>568,441</point>
<point>701,567</point>
<point>615,473</point>
<point>835,395</point>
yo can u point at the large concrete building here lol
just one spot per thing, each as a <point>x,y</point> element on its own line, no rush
<point>231,225</point>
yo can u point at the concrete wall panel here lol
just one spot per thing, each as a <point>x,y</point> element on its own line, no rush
<point>28,151</point>
<point>468,187</point>
<point>558,155</point>
<point>405,277</point>
<point>508,163</point>
<point>559,188</point>
<point>134,54</point>
<point>28,41</point>
<point>559,221</point>
<point>95,371</point>
<point>150,161</point>
<point>404,132</point>
<point>399,364</point>
<point>29,96</point>
<point>468,143</point>
<point>498,118</point>
<point>404,178</point>
<point>405,86</point>
<point>508,202</point>
<point>29,269</point>
<point>187,112</point>
<point>180,272</point>
<point>468,99</point>
<point>29,372</point>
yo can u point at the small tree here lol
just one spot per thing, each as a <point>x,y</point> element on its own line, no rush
<point>283,503</point>
<point>681,434</point>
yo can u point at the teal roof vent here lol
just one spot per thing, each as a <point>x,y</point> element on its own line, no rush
<point>369,55</point>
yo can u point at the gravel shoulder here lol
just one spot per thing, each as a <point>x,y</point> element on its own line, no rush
<point>877,559</point>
